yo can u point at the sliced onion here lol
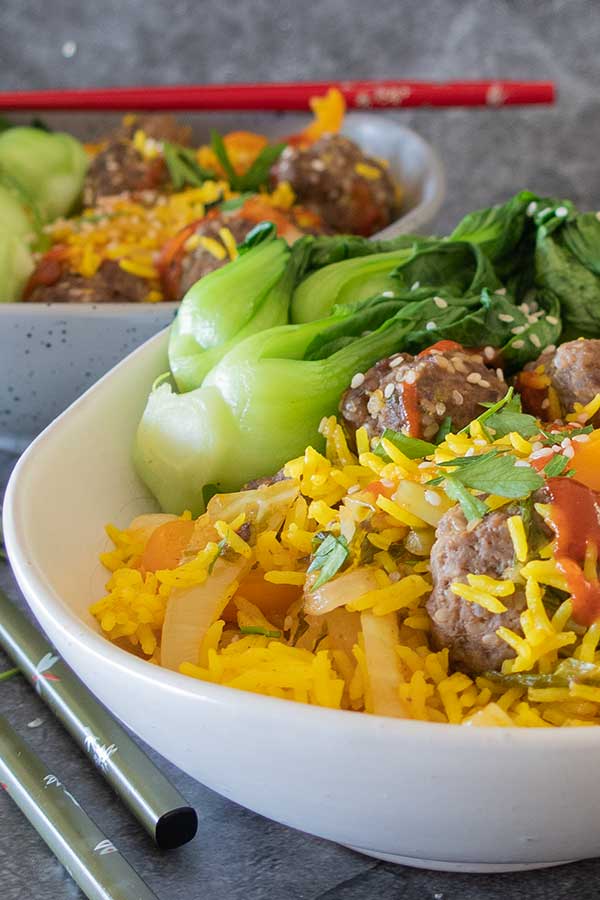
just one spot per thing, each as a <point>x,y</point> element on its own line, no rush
<point>265,506</point>
<point>381,636</point>
<point>339,591</point>
<point>190,611</point>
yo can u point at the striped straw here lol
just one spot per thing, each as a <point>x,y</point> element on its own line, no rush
<point>87,854</point>
<point>152,799</point>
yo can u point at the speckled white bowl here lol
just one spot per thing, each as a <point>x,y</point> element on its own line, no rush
<point>438,796</point>
<point>51,353</point>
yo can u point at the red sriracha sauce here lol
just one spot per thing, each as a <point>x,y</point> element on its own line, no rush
<point>442,346</point>
<point>575,520</point>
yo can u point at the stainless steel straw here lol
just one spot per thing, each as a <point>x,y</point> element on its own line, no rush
<point>152,799</point>
<point>88,856</point>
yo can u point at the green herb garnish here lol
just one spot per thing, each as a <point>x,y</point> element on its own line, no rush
<point>472,507</point>
<point>220,549</point>
<point>556,466</point>
<point>260,234</point>
<point>413,448</point>
<point>236,202</point>
<point>444,430</point>
<point>495,474</point>
<point>259,629</point>
<point>258,173</point>
<point>183,166</point>
<point>329,558</point>
<point>505,416</point>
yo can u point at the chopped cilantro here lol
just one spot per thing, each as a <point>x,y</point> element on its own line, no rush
<point>329,558</point>
<point>236,202</point>
<point>472,507</point>
<point>258,629</point>
<point>555,437</point>
<point>495,474</point>
<point>506,415</point>
<point>414,448</point>
<point>556,466</point>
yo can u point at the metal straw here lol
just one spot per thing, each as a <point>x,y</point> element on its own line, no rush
<point>152,799</point>
<point>86,853</point>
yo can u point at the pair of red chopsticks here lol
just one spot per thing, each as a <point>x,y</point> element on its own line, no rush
<point>285,96</point>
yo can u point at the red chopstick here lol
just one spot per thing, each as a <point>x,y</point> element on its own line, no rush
<point>285,96</point>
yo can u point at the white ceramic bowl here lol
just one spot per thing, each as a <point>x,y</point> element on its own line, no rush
<point>51,353</point>
<point>439,796</point>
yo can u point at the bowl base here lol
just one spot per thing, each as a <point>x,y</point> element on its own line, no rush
<point>442,865</point>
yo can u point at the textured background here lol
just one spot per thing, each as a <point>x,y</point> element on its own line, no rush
<point>488,155</point>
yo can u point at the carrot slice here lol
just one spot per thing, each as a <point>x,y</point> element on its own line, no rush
<point>166,545</point>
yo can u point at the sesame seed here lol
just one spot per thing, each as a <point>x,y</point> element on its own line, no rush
<point>545,403</point>
<point>524,307</point>
<point>457,397</point>
<point>474,377</point>
<point>397,361</point>
<point>489,352</point>
<point>566,442</point>
<point>442,362</point>
<point>518,344</point>
<point>440,409</point>
<point>389,390</point>
<point>440,302</point>
<point>479,442</point>
<point>433,498</point>
<point>483,383</point>
<point>354,488</point>
<point>537,445</point>
<point>501,292</point>
<point>470,451</point>
<point>531,208</point>
<point>581,438</point>
<point>410,377</point>
<point>504,317</point>
<point>357,380</point>
<point>551,320</point>
<point>430,431</point>
<point>535,340</point>
<point>415,286</point>
<point>499,374</point>
<point>569,452</point>
<point>522,464</point>
<point>582,418</point>
<point>426,464</point>
<point>561,212</point>
<point>387,294</point>
<point>518,329</point>
<point>431,326</point>
<point>318,165</point>
<point>556,448</point>
<point>537,454</point>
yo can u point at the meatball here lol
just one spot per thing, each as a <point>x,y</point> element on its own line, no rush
<point>352,193</point>
<point>561,377</point>
<point>466,629</point>
<point>414,394</point>
<point>53,282</point>
<point>184,259</point>
<point>120,168</point>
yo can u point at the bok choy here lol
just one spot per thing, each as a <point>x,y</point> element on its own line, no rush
<point>246,296</point>
<point>260,406</point>
<point>50,167</point>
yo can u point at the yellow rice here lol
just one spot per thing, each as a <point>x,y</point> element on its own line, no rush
<point>334,495</point>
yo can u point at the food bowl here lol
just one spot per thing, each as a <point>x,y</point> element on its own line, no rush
<point>51,353</point>
<point>422,794</point>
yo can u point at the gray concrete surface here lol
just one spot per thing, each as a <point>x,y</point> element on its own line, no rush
<point>488,154</point>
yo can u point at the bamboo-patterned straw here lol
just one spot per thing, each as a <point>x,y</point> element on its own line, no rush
<point>89,857</point>
<point>152,799</point>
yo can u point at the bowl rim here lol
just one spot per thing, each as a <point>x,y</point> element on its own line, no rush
<point>415,218</point>
<point>45,602</point>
